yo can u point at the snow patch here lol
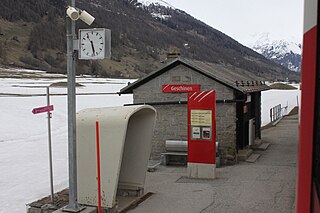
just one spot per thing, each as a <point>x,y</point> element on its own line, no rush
<point>160,16</point>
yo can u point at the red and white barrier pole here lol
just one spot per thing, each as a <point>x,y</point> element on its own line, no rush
<point>308,96</point>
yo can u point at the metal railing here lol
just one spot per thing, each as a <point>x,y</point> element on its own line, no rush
<point>277,112</point>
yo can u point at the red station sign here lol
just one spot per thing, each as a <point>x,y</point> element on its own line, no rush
<point>202,127</point>
<point>180,88</point>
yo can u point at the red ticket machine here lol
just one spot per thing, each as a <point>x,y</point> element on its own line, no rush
<point>201,134</point>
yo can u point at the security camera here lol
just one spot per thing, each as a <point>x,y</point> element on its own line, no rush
<point>73,13</point>
<point>86,17</point>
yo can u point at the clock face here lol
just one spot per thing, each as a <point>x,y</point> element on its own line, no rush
<point>92,44</point>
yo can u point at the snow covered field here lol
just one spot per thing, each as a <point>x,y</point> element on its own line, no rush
<point>24,163</point>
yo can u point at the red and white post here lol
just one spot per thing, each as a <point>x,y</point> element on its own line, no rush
<point>309,75</point>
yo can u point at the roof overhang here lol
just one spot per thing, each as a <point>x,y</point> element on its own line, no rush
<point>243,87</point>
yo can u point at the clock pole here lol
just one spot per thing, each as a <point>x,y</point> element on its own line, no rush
<point>72,149</point>
<point>74,14</point>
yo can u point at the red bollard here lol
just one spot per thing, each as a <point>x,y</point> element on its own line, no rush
<point>98,165</point>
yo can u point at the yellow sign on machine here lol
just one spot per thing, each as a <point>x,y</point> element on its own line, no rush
<point>201,117</point>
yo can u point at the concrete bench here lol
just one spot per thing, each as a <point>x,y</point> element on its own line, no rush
<point>176,148</point>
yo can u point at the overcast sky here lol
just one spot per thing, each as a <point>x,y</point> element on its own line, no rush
<point>242,19</point>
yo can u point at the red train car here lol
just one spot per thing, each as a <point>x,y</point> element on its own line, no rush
<point>308,187</point>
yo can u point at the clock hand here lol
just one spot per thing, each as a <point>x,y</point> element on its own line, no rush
<point>88,37</point>
<point>91,44</point>
<point>92,48</point>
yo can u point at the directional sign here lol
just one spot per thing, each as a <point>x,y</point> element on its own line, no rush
<point>42,109</point>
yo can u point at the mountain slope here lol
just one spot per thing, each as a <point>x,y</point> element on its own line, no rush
<point>141,37</point>
<point>284,52</point>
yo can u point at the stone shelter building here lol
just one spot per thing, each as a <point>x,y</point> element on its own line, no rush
<point>238,103</point>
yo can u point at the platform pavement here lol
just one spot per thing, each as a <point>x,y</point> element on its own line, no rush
<point>268,185</point>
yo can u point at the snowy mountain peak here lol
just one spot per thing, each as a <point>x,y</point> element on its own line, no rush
<point>155,7</point>
<point>269,37</point>
<point>279,46</point>
<point>156,2</point>
<point>286,52</point>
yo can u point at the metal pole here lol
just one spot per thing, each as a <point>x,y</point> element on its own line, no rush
<point>72,150</point>
<point>50,147</point>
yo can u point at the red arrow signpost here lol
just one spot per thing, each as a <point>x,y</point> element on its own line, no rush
<point>42,109</point>
<point>48,110</point>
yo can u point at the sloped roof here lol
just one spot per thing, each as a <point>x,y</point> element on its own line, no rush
<point>235,78</point>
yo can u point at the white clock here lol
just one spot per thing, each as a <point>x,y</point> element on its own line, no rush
<point>94,44</point>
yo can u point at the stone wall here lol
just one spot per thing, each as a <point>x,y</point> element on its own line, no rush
<point>172,119</point>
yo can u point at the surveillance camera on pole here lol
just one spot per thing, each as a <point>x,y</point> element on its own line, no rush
<point>75,14</point>
<point>86,17</point>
